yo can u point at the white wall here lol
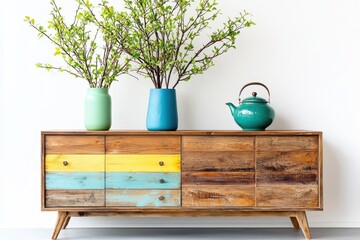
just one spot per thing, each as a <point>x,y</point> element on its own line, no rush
<point>307,52</point>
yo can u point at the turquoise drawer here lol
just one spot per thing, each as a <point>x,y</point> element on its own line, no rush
<point>131,180</point>
<point>74,180</point>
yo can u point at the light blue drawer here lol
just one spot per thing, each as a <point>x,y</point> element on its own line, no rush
<point>130,180</point>
<point>74,180</point>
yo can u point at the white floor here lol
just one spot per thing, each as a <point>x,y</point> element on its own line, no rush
<point>180,233</point>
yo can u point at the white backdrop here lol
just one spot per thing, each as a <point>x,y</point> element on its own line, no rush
<point>307,52</point>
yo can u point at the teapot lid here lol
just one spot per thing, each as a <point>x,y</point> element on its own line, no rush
<point>254,99</point>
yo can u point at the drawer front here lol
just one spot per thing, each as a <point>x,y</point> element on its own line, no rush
<point>218,171</point>
<point>287,143</point>
<point>142,163</point>
<point>218,178</point>
<point>218,196</point>
<point>143,198</point>
<point>142,144</point>
<point>288,171</point>
<point>140,180</point>
<point>75,198</point>
<point>74,163</point>
<point>217,143</point>
<point>287,196</point>
<point>74,180</point>
<point>64,144</point>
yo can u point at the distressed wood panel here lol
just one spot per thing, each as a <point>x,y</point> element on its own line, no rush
<point>124,180</point>
<point>230,161</point>
<point>286,179</point>
<point>68,144</point>
<point>142,163</point>
<point>218,196</point>
<point>218,178</point>
<point>217,143</point>
<point>74,163</point>
<point>75,198</point>
<point>294,162</point>
<point>74,180</point>
<point>143,198</point>
<point>287,143</point>
<point>143,144</point>
<point>287,196</point>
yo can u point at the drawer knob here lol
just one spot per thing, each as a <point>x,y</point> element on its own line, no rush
<point>162,181</point>
<point>161,198</point>
<point>161,163</point>
<point>65,163</point>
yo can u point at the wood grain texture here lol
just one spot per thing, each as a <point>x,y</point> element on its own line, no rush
<point>217,144</point>
<point>143,198</point>
<point>291,162</point>
<point>288,196</point>
<point>142,163</point>
<point>75,180</point>
<point>217,196</point>
<point>270,179</point>
<point>142,180</point>
<point>218,178</point>
<point>287,143</point>
<point>74,198</point>
<point>213,161</point>
<point>59,223</point>
<point>74,163</point>
<point>143,144</point>
<point>73,144</point>
<point>303,222</point>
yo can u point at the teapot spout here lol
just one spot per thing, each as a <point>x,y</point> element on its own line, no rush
<point>232,107</point>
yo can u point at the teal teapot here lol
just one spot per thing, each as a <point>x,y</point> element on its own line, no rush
<point>253,113</point>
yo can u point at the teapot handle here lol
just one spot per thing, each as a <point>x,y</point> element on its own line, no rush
<point>254,83</point>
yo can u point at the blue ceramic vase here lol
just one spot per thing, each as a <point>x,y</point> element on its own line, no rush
<point>162,110</point>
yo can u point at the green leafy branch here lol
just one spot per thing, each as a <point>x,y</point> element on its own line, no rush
<point>77,44</point>
<point>164,38</point>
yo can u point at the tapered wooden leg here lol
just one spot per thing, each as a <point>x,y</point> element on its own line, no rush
<point>302,220</point>
<point>66,222</point>
<point>59,223</point>
<point>295,223</point>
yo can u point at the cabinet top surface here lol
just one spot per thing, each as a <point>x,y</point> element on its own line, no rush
<point>182,132</point>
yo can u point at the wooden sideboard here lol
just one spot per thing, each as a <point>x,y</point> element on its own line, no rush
<point>182,173</point>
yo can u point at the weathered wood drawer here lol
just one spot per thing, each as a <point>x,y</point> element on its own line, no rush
<point>143,144</point>
<point>142,180</point>
<point>143,198</point>
<point>74,144</point>
<point>287,171</point>
<point>218,171</point>
<point>218,196</point>
<point>142,163</point>
<point>75,198</point>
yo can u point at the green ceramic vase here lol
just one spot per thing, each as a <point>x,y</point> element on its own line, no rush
<point>97,109</point>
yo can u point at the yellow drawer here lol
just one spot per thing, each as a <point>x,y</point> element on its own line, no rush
<point>74,163</point>
<point>142,163</point>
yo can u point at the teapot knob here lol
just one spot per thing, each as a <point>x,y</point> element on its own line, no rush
<point>254,94</point>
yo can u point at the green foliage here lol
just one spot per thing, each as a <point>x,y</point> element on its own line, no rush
<point>163,36</point>
<point>89,51</point>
